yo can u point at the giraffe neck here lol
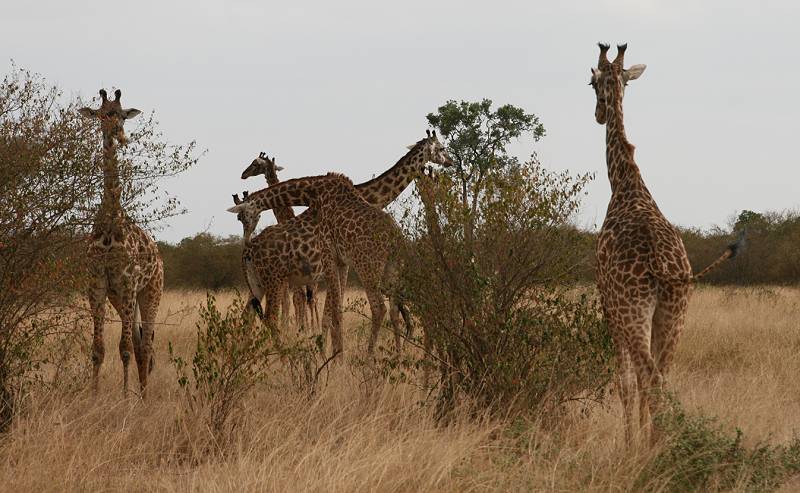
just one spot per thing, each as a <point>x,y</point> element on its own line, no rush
<point>382,190</point>
<point>111,203</point>
<point>282,214</point>
<point>623,173</point>
<point>289,193</point>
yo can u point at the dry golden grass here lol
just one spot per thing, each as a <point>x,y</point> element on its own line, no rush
<point>737,360</point>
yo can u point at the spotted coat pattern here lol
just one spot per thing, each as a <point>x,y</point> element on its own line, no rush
<point>125,267</point>
<point>643,273</point>
<point>297,250</point>
<point>304,297</point>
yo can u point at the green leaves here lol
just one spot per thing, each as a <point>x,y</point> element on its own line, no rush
<point>233,354</point>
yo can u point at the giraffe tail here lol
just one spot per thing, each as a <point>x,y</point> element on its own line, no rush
<point>729,253</point>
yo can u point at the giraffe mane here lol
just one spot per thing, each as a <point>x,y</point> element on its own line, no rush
<point>334,174</point>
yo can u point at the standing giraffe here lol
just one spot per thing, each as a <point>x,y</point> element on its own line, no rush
<point>643,274</point>
<point>352,230</point>
<point>125,265</point>
<point>304,297</point>
<point>296,250</point>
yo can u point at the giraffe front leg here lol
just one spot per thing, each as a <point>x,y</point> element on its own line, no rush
<point>126,348</point>
<point>371,281</point>
<point>148,301</point>
<point>299,304</point>
<point>97,304</point>
<point>332,312</point>
<point>394,317</point>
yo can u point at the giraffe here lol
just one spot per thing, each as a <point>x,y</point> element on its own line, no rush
<point>352,230</point>
<point>297,250</point>
<point>304,297</point>
<point>126,266</point>
<point>643,273</point>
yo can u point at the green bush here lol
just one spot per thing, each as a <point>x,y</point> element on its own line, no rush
<point>503,322</point>
<point>233,354</point>
<point>698,454</point>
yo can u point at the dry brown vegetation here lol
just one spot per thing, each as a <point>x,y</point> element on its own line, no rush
<point>737,360</point>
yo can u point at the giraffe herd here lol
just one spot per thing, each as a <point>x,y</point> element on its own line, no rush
<point>643,273</point>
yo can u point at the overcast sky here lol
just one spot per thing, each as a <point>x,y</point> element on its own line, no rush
<point>345,85</point>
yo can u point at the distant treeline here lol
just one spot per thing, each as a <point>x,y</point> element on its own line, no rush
<point>771,255</point>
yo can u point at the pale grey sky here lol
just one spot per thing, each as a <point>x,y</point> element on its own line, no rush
<point>346,85</point>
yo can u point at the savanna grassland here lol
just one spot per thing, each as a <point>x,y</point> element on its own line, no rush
<point>738,360</point>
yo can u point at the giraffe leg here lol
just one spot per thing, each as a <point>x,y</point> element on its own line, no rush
<point>394,317</point>
<point>648,376</point>
<point>389,282</point>
<point>332,313</point>
<point>344,271</point>
<point>97,303</point>
<point>313,310</point>
<point>669,320</point>
<point>284,300</point>
<point>148,301</point>
<point>299,303</point>
<point>272,300</point>
<point>625,383</point>
<point>427,343</point>
<point>377,306</point>
<point>126,349</point>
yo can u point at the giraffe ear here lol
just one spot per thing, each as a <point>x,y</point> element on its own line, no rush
<point>88,112</point>
<point>634,72</point>
<point>130,113</point>
<point>236,208</point>
<point>278,168</point>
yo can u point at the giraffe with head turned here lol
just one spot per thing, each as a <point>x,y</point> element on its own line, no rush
<point>297,250</point>
<point>351,229</point>
<point>643,273</point>
<point>126,267</point>
<point>304,297</point>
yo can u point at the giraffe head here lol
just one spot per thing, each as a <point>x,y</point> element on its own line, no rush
<point>262,165</point>
<point>247,216</point>
<point>610,78</point>
<point>111,115</point>
<point>432,150</point>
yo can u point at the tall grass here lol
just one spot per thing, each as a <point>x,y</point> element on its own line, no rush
<point>737,360</point>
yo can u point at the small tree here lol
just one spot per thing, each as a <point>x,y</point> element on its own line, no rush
<point>489,278</point>
<point>477,137</point>
<point>50,185</point>
<point>234,353</point>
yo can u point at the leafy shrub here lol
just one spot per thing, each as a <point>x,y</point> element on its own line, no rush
<point>234,353</point>
<point>496,305</point>
<point>699,454</point>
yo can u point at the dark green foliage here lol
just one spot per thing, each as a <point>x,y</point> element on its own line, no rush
<point>233,353</point>
<point>489,268</point>
<point>203,261</point>
<point>477,137</point>
<point>700,455</point>
<point>771,254</point>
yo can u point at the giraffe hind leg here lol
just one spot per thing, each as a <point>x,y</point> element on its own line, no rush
<point>625,382</point>
<point>669,320</point>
